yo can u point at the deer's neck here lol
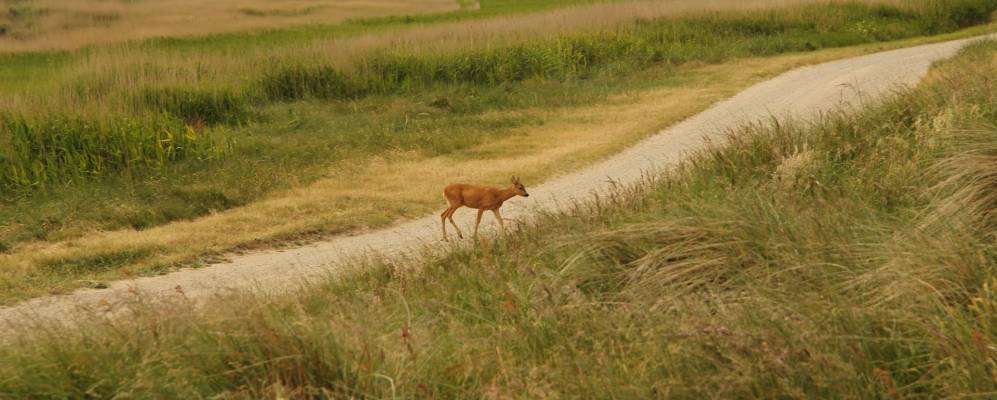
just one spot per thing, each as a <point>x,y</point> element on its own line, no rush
<point>506,194</point>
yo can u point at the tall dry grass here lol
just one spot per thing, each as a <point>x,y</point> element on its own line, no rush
<point>42,25</point>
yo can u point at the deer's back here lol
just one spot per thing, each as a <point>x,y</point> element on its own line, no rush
<point>472,195</point>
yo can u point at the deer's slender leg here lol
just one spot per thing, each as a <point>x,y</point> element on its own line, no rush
<point>443,222</point>
<point>478,222</point>
<point>498,216</point>
<point>450,217</point>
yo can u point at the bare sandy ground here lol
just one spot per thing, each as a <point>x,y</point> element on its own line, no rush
<point>800,93</point>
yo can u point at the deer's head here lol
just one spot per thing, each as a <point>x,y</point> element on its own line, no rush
<point>520,189</point>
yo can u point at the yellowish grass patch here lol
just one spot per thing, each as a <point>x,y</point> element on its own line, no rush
<point>68,24</point>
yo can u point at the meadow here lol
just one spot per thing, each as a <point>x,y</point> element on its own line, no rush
<point>43,25</point>
<point>848,258</point>
<point>113,156</point>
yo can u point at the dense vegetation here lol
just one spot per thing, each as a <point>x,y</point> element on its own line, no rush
<point>113,173</point>
<point>712,38</point>
<point>853,258</point>
<point>59,149</point>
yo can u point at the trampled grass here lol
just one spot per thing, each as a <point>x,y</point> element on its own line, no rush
<point>282,155</point>
<point>849,259</point>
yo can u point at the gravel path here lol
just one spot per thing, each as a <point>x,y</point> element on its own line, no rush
<point>801,92</point>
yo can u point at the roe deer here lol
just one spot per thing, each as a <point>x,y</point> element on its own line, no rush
<point>480,197</point>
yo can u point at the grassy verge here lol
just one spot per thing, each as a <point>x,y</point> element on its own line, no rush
<point>853,258</point>
<point>314,158</point>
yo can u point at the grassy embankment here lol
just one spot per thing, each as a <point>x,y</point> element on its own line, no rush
<point>313,117</point>
<point>851,259</point>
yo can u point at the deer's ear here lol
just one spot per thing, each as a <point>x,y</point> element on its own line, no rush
<point>515,179</point>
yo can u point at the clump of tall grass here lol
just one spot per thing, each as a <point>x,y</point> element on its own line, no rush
<point>198,107</point>
<point>954,14</point>
<point>39,153</point>
<point>301,81</point>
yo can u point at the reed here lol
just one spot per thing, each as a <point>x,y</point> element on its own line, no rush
<point>57,150</point>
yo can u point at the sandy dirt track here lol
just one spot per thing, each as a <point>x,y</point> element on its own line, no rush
<point>799,93</point>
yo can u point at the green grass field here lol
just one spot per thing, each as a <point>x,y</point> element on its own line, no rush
<point>850,259</point>
<point>136,136</point>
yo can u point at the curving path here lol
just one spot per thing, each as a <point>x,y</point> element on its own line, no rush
<point>799,93</point>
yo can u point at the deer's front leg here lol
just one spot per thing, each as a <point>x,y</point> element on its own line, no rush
<point>478,222</point>
<point>498,216</point>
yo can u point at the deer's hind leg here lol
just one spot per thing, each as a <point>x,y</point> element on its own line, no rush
<point>443,222</point>
<point>450,217</point>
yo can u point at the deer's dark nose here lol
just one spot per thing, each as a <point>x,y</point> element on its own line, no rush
<point>526,195</point>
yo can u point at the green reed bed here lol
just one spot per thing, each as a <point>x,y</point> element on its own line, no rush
<point>197,106</point>
<point>61,149</point>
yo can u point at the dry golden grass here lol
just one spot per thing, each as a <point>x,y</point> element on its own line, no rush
<point>34,25</point>
<point>398,186</point>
